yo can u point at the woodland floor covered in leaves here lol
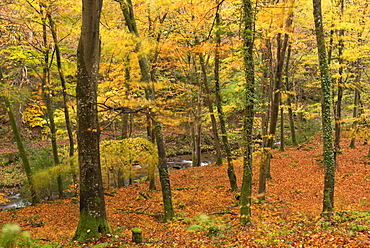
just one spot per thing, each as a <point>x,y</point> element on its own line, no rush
<point>207,212</point>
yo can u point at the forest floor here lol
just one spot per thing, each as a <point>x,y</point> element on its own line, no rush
<point>207,212</point>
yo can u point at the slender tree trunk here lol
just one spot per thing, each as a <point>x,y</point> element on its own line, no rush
<point>209,104</point>
<point>22,151</point>
<point>46,94</point>
<point>128,13</point>
<point>267,89</point>
<point>197,132</point>
<point>248,40</point>
<point>282,141</point>
<point>18,139</point>
<point>289,99</point>
<point>65,96</point>
<point>329,157</point>
<point>281,49</point>
<point>338,104</point>
<point>355,113</point>
<point>282,45</point>
<point>126,117</point>
<point>163,174</point>
<point>93,221</point>
<point>221,115</point>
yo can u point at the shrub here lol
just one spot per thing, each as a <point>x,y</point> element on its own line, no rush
<point>118,158</point>
<point>11,236</point>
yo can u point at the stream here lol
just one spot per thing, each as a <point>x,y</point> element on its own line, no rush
<point>174,163</point>
<point>15,202</point>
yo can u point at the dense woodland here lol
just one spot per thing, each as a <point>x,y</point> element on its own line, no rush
<point>97,95</point>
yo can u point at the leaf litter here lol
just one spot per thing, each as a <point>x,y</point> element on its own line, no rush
<point>207,212</point>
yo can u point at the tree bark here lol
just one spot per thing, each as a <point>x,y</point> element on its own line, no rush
<point>328,151</point>
<point>163,174</point>
<point>128,13</point>
<point>209,104</point>
<point>93,221</point>
<point>289,87</point>
<point>197,134</point>
<point>46,95</point>
<point>248,40</point>
<point>356,111</point>
<point>282,44</point>
<point>221,115</point>
<point>338,104</point>
<point>65,96</point>
<point>282,140</point>
<point>18,139</point>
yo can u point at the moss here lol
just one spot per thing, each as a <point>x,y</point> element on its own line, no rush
<point>90,227</point>
<point>137,235</point>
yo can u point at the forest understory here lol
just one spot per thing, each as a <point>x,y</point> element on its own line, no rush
<point>207,212</point>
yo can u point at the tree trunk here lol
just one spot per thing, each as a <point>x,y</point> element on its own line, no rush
<point>289,87</point>
<point>338,104</point>
<point>18,139</point>
<point>65,97</point>
<point>93,221</point>
<point>282,145</point>
<point>128,13</point>
<point>46,95</point>
<point>329,158</point>
<point>248,40</point>
<point>282,45</point>
<point>209,104</point>
<point>126,133</point>
<point>355,112</point>
<point>163,175</point>
<point>281,49</point>
<point>197,134</point>
<point>221,116</point>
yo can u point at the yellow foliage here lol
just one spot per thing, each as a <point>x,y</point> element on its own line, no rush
<point>118,157</point>
<point>2,198</point>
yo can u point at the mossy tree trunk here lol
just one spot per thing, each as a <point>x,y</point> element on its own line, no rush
<point>46,95</point>
<point>128,13</point>
<point>327,129</point>
<point>18,139</point>
<point>221,115</point>
<point>338,103</point>
<point>248,40</point>
<point>54,34</point>
<point>163,174</point>
<point>93,221</point>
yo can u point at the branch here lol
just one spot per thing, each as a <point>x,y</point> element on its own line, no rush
<point>121,110</point>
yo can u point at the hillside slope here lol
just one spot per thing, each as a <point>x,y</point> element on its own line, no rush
<point>290,216</point>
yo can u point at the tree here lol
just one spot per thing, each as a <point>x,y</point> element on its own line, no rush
<point>218,102</point>
<point>248,40</point>
<point>156,132</point>
<point>18,139</point>
<point>53,30</point>
<point>46,92</point>
<point>93,221</point>
<point>326,105</point>
<point>163,174</point>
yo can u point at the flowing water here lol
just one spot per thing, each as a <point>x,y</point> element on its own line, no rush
<point>174,163</point>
